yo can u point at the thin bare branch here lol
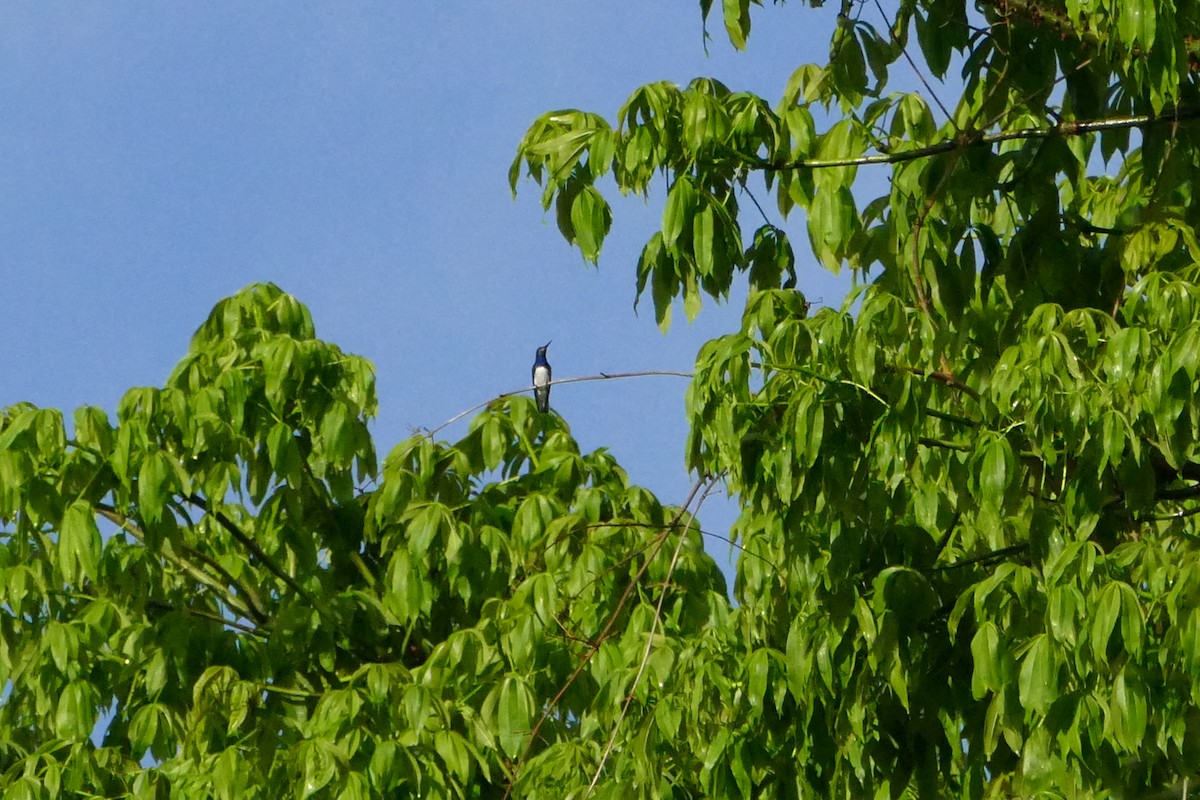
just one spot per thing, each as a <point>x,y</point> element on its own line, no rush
<point>603,376</point>
<point>944,378</point>
<point>210,615</point>
<point>913,64</point>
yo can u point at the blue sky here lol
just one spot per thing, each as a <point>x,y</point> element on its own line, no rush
<point>155,157</point>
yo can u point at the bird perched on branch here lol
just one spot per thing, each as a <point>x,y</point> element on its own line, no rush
<point>541,379</point>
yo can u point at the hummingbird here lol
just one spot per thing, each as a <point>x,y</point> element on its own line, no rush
<point>541,379</point>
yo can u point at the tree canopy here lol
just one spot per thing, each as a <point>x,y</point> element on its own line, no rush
<point>969,561</point>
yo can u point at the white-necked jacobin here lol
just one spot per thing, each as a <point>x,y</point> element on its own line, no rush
<point>541,379</point>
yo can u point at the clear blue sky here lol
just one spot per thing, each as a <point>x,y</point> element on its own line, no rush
<point>155,157</point>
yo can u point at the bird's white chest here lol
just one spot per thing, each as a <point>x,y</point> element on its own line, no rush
<point>541,376</point>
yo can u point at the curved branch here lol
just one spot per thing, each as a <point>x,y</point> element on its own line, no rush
<point>205,614</point>
<point>942,377</point>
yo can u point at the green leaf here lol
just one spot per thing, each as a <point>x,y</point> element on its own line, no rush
<point>1038,681</point>
<point>691,298</point>
<point>737,21</point>
<point>155,483</point>
<point>1123,352</point>
<point>799,661</point>
<point>92,428</point>
<point>678,211</point>
<point>714,754</point>
<point>664,285</point>
<point>284,453</point>
<point>1132,623</point>
<point>143,729</point>
<point>22,422</point>
<point>427,525</point>
<point>514,716</point>
<point>989,669</point>
<point>702,241</point>
<point>494,443</point>
<point>79,544</point>
<point>408,593</point>
<point>996,470</point>
<point>1105,612</point>
<point>337,434</point>
<point>668,716</point>
<point>591,219</point>
<point>317,765</point>
<point>1129,709</point>
<point>76,711</point>
<point>453,751</point>
<point>758,668</point>
<point>356,787</point>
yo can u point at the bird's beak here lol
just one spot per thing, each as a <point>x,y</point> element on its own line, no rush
<point>547,344</point>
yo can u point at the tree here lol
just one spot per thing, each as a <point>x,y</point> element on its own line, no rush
<point>259,623</point>
<point>970,563</point>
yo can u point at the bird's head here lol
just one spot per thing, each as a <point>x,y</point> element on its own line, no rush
<point>541,351</point>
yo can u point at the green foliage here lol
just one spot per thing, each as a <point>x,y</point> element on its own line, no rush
<point>968,504</point>
<point>210,577</point>
<point>970,562</point>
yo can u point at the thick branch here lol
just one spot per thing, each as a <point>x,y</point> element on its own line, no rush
<point>259,554</point>
<point>1077,128</point>
<point>1179,493</point>
<point>944,378</point>
<point>244,602</point>
<point>206,614</point>
<point>986,558</point>
<point>944,445</point>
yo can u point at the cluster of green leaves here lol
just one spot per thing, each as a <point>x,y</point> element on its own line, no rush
<point>968,497</point>
<point>989,568</point>
<point>200,600</point>
<point>1010,174</point>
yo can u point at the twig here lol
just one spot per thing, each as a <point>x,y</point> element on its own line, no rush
<point>662,596</point>
<point>913,65</point>
<point>753,199</point>
<point>204,613</point>
<point>1169,517</point>
<point>1181,493</point>
<point>942,377</point>
<point>946,417</point>
<point>944,445</point>
<point>605,633</point>
<point>701,531</point>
